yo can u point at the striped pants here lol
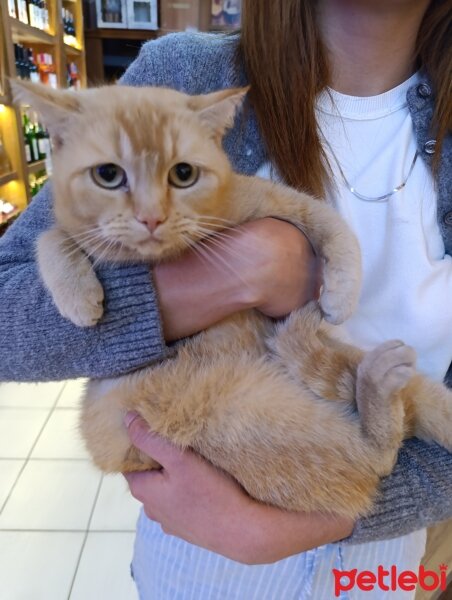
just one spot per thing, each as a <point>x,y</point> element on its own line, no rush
<point>167,568</point>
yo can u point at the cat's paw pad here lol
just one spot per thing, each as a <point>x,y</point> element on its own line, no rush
<point>389,367</point>
<point>84,307</point>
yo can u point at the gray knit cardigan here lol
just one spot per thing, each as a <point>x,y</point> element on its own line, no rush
<point>37,344</point>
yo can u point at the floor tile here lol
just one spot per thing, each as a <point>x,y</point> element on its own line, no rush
<point>9,470</point>
<point>19,429</point>
<point>72,393</point>
<point>61,437</point>
<point>30,395</point>
<point>52,495</point>
<point>37,566</point>
<point>104,570</point>
<point>116,508</point>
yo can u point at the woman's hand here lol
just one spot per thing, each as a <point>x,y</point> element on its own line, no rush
<point>193,500</point>
<point>267,264</point>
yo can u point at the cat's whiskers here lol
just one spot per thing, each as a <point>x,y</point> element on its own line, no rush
<point>216,226</point>
<point>90,239</point>
<point>217,234</point>
<point>229,234</point>
<point>227,249</point>
<point>104,253</point>
<point>222,261</point>
<point>208,256</point>
<point>214,218</point>
<point>222,241</point>
<point>203,254</point>
<point>226,236</point>
<point>75,247</point>
<point>86,238</point>
<point>93,252</point>
<point>84,232</point>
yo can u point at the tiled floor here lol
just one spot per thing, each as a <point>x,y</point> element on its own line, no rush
<point>66,531</point>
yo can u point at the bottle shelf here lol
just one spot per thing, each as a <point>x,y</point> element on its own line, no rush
<point>36,166</point>
<point>72,50</point>
<point>44,53</point>
<point>21,32</point>
<point>7,177</point>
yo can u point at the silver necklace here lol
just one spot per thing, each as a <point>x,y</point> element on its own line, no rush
<point>382,198</point>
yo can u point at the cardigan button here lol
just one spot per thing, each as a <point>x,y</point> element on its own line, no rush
<point>424,90</point>
<point>447,219</point>
<point>429,147</point>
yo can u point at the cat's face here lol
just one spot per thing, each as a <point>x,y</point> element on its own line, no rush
<point>139,173</point>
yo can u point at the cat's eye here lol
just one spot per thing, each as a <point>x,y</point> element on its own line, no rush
<point>183,175</point>
<point>109,176</point>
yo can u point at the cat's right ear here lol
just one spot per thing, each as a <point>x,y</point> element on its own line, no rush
<point>54,107</point>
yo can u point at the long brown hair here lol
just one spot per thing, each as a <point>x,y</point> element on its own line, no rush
<point>287,66</point>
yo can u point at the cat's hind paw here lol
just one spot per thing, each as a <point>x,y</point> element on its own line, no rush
<point>387,368</point>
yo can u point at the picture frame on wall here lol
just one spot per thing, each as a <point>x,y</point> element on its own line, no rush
<point>226,14</point>
<point>142,14</point>
<point>111,14</point>
<point>127,14</point>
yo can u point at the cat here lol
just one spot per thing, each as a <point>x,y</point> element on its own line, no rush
<point>300,419</point>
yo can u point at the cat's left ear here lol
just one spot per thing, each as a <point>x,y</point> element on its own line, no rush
<point>54,107</point>
<point>218,109</point>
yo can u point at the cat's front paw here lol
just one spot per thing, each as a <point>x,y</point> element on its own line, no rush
<point>339,294</point>
<point>82,304</point>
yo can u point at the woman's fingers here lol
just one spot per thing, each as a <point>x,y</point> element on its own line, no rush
<point>152,444</point>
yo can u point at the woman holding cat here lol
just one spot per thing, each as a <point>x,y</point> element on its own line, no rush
<point>388,41</point>
<point>335,43</point>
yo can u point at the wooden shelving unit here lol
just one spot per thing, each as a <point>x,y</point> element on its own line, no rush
<point>14,185</point>
<point>21,32</point>
<point>7,177</point>
<point>36,166</point>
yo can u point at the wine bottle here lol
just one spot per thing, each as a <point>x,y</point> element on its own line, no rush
<point>41,140</point>
<point>22,64</point>
<point>33,67</point>
<point>17,58</point>
<point>30,139</point>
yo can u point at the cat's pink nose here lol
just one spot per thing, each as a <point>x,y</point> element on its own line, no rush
<point>151,222</point>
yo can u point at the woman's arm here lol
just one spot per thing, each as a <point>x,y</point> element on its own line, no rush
<point>417,494</point>
<point>267,264</point>
<point>37,344</point>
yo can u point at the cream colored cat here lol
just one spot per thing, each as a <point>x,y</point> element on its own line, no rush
<point>300,419</point>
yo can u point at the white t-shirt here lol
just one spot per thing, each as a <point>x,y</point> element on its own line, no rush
<point>407,276</point>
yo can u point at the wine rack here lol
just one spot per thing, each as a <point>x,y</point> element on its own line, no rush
<point>40,40</point>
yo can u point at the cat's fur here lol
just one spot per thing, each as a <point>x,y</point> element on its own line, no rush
<point>300,419</point>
